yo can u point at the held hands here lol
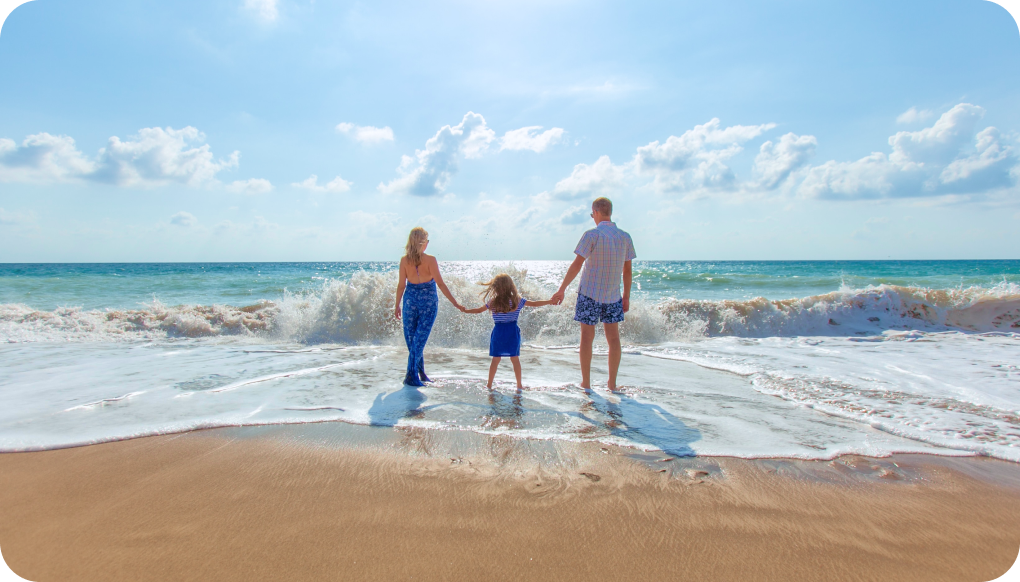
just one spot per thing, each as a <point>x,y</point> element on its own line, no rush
<point>557,297</point>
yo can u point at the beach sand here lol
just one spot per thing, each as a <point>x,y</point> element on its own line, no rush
<point>332,501</point>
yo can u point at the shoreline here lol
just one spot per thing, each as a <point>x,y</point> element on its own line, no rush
<point>353,502</point>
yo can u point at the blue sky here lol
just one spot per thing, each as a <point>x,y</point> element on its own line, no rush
<point>261,130</point>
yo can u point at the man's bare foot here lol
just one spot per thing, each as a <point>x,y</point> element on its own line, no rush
<point>489,386</point>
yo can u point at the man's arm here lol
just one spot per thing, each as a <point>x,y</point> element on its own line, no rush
<point>626,286</point>
<point>572,272</point>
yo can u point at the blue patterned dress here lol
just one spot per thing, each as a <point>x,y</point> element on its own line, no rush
<point>421,303</point>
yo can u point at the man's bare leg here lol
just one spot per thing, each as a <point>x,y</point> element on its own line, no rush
<point>587,337</point>
<point>613,339</point>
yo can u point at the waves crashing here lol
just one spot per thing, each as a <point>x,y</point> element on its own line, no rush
<point>359,310</point>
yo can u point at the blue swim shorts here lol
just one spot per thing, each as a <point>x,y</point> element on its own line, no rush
<point>591,312</point>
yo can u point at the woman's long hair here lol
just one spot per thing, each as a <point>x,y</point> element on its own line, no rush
<point>501,294</point>
<point>415,240</point>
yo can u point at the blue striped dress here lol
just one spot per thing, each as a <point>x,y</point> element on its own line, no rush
<point>505,340</point>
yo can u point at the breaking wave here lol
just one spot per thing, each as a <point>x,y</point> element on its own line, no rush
<point>359,310</point>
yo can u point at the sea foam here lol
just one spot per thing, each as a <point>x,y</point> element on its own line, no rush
<point>359,311</point>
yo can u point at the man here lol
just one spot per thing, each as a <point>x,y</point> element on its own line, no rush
<point>605,252</point>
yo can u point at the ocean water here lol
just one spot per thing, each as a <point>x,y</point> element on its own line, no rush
<point>748,359</point>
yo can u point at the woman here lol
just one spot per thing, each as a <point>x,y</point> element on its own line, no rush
<point>420,274</point>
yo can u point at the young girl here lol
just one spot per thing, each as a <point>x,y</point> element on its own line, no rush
<point>502,299</point>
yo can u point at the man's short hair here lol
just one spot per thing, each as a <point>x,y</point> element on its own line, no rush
<point>603,206</point>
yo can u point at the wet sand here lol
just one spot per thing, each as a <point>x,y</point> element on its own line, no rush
<point>338,502</point>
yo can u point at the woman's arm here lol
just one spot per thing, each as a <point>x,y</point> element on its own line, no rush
<point>442,284</point>
<point>400,289</point>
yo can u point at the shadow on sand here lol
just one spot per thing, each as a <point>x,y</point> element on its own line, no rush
<point>643,423</point>
<point>388,409</point>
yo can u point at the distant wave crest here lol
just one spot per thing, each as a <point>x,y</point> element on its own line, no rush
<point>359,310</point>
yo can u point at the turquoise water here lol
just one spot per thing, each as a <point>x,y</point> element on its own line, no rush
<point>131,285</point>
<point>750,359</point>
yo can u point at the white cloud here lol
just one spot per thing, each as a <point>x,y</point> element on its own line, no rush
<point>153,157</point>
<point>528,216</point>
<point>528,138</point>
<point>378,225</point>
<point>251,186</point>
<point>430,170</point>
<point>775,162</point>
<point>8,218</point>
<point>366,133</point>
<point>948,158</point>
<point>185,219</point>
<point>263,227</point>
<point>264,9</point>
<point>159,156</point>
<point>311,183</point>
<point>42,158</point>
<point>912,115</point>
<point>695,159</point>
<point>575,215</point>
<point>599,179</point>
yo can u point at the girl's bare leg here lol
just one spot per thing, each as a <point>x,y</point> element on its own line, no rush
<point>492,371</point>
<point>516,362</point>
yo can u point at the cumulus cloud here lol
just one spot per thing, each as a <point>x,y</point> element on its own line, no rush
<point>185,219</point>
<point>428,172</point>
<point>913,115</point>
<point>599,179</point>
<point>775,162</point>
<point>311,183</point>
<point>529,138</point>
<point>252,186</point>
<point>43,158</point>
<point>950,157</point>
<point>693,161</point>
<point>153,157</point>
<point>264,9</point>
<point>366,133</point>
<point>158,156</point>
<point>575,215</point>
<point>696,159</point>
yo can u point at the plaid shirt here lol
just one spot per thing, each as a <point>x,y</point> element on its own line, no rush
<point>605,248</point>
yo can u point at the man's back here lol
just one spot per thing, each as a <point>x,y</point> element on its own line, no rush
<point>605,249</point>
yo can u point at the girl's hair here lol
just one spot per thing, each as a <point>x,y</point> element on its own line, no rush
<point>415,240</point>
<point>501,294</point>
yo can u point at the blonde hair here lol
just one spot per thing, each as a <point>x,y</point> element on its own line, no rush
<point>415,240</point>
<point>603,206</point>
<point>501,294</point>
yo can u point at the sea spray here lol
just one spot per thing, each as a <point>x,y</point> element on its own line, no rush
<point>359,310</point>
